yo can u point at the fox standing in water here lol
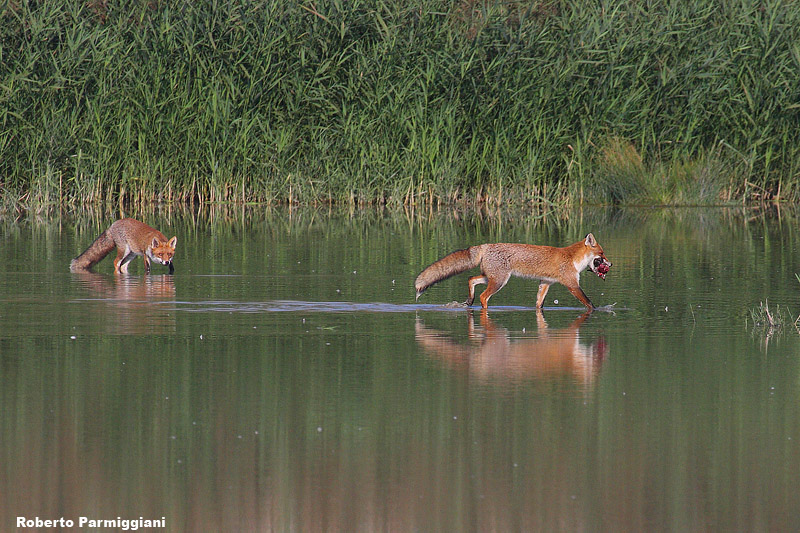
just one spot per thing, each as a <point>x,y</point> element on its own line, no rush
<point>499,261</point>
<point>131,238</point>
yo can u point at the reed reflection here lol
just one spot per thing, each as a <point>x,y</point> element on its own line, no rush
<point>493,354</point>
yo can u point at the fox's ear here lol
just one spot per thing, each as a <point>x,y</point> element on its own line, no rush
<point>590,240</point>
<point>155,242</point>
<point>172,242</point>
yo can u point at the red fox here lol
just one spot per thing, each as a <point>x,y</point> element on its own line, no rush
<point>131,238</point>
<point>499,261</point>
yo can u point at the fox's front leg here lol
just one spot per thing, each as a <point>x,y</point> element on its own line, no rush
<point>474,280</point>
<point>543,288</point>
<point>580,295</point>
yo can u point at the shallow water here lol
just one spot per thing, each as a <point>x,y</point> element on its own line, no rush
<point>285,377</point>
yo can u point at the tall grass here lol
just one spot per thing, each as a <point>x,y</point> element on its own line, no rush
<point>385,101</point>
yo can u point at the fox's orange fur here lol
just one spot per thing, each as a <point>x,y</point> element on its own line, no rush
<point>498,262</point>
<point>131,238</point>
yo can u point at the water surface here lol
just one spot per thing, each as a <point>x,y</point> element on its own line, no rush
<point>285,378</point>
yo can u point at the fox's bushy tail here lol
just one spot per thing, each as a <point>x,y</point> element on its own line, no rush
<point>449,265</point>
<point>101,247</point>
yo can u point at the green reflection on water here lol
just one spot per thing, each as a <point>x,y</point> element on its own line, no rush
<point>284,377</point>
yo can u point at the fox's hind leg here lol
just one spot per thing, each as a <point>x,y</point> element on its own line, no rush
<point>124,256</point>
<point>474,280</point>
<point>493,285</point>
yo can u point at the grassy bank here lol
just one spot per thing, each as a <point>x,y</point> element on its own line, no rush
<point>376,101</point>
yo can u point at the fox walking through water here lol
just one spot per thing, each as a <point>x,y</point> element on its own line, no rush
<point>499,261</point>
<point>131,238</point>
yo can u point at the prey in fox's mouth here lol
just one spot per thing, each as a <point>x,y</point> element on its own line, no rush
<point>601,267</point>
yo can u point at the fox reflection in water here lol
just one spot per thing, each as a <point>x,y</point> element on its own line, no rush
<point>130,304</point>
<point>493,354</point>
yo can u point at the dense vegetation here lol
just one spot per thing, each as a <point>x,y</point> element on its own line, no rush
<point>382,101</point>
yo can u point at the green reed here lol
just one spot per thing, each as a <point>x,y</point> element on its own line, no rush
<point>383,102</point>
